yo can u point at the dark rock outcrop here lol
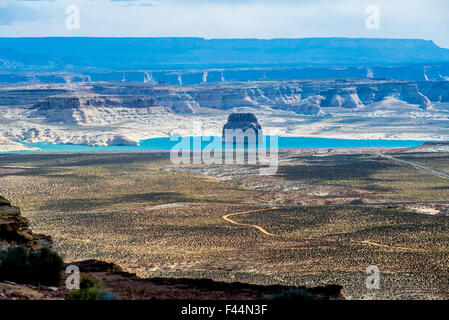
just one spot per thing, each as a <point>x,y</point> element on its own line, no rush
<point>14,229</point>
<point>247,122</point>
<point>128,286</point>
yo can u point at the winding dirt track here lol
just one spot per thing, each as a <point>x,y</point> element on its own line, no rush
<point>363,242</point>
<point>437,173</point>
<point>370,243</point>
<point>226,217</point>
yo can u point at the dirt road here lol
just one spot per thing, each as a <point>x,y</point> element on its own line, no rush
<point>226,217</point>
<point>363,242</point>
<point>417,166</point>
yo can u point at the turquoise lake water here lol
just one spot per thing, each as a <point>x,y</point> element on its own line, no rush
<point>164,144</point>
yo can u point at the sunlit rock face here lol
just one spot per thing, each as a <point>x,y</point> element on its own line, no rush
<point>242,128</point>
<point>14,229</point>
<point>309,98</point>
<point>94,109</point>
<point>342,98</point>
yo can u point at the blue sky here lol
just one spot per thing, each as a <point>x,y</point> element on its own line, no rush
<point>426,19</point>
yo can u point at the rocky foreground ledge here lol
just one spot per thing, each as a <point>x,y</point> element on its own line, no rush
<point>14,230</point>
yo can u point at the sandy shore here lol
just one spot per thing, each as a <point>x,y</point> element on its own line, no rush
<point>352,126</point>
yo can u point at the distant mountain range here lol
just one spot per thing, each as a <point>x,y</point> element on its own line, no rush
<point>65,54</point>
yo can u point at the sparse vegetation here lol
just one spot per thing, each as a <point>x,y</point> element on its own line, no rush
<point>324,235</point>
<point>90,290</point>
<point>107,182</point>
<point>37,267</point>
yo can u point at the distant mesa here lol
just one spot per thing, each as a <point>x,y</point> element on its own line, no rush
<point>68,53</point>
<point>250,129</point>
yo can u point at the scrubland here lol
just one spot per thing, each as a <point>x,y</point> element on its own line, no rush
<point>329,215</point>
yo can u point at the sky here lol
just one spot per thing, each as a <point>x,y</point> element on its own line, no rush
<point>423,19</point>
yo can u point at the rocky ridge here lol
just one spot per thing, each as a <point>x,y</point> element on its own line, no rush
<point>14,229</point>
<point>416,72</point>
<point>305,97</point>
<point>146,53</point>
<point>114,102</point>
<point>88,109</point>
<point>124,113</point>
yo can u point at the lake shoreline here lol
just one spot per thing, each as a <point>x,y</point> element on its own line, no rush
<point>166,144</point>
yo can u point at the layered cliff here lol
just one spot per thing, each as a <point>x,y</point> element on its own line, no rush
<point>121,113</point>
<point>94,109</point>
<point>363,94</point>
<point>303,97</point>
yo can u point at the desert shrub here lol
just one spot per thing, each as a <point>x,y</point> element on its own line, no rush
<point>15,264</point>
<point>90,290</point>
<point>37,267</point>
<point>46,266</point>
